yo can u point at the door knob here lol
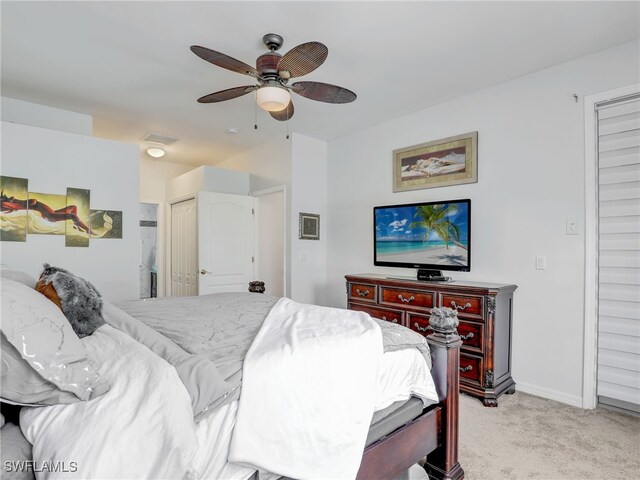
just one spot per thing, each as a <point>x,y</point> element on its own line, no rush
<point>203,271</point>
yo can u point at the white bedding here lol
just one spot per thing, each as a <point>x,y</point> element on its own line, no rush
<point>141,428</point>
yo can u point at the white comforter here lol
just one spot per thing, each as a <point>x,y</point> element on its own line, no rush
<point>141,428</point>
<point>308,392</point>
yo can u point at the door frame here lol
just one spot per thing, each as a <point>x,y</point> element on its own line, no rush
<point>590,348</point>
<point>169,271</point>
<point>285,225</point>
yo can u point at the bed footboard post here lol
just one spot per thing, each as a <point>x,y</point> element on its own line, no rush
<point>442,463</point>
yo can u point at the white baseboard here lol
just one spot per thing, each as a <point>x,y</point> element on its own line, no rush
<point>573,400</point>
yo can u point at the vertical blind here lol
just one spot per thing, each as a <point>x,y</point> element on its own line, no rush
<point>619,252</point>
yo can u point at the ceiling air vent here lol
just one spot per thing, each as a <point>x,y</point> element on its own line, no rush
<point>159,138</point>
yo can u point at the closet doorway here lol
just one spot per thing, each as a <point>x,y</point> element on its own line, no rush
<point>612,288</point>
<point>271,247</point>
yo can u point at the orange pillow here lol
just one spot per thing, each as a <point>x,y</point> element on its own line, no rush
<point>49,291</point>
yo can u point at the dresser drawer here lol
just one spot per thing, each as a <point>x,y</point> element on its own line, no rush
<point>472,335</point>
<point>407,298</point>
<point>418,323</point>
<point>470,368</point>
<point>393,316</point>
<point>466,305</point>
<point>363,292</point>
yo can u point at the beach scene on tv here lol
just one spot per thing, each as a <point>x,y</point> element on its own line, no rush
<point>435,234</point>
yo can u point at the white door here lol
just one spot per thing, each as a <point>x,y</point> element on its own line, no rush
<point>271,245</point>
<point>225,242</point>
<point>184,266</point>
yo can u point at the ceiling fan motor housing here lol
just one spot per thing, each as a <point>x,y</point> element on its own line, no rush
<point>267,64</point>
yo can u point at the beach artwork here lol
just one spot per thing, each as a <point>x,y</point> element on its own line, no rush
<point>33,213</point>
<point>449,161</point>
<point>436,234</point>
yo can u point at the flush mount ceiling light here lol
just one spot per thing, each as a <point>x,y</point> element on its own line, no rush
<point>156,152</point>
<point>272,74</point>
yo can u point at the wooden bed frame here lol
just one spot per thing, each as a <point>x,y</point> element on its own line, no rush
<point>434,433</point>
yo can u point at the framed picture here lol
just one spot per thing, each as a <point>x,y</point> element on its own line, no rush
<point>309,226</point>
<point>449,161</point>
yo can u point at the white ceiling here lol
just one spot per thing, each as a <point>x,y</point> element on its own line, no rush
<point>128,63</point>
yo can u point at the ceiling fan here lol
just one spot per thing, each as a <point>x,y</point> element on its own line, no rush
<point>273,72</point>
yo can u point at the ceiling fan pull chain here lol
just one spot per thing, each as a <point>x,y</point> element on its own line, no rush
<point>287,129</point>
<point>255,112</point>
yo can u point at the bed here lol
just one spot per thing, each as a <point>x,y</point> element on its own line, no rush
<point>231,331</point>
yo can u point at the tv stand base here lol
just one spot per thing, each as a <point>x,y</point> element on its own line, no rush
<point>424,274</point>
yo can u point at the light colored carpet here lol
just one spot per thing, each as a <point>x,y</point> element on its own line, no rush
<point>531,437</point>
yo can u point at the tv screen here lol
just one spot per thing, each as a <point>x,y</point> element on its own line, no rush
<point>429,235</point>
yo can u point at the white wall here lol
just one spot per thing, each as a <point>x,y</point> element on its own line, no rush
<point>52,161</point>
<point>309,195</point>
<point>26,113</point>
<point>300,164</point>
<point>208,179</point>
<point>269,166</point>
<point>531,178</point>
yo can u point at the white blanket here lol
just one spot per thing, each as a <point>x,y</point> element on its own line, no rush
<point>309,392</point>
<point>141,428</point>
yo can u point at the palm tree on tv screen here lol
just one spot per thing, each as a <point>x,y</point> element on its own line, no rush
<point>435,218</point>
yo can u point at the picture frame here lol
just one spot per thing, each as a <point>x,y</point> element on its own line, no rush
<point>440,163</point>
<point>309,226</point>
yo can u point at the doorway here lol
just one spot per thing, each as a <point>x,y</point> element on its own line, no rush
<point>148,250</point>
<point>612,279</point>
<point>271,227</point>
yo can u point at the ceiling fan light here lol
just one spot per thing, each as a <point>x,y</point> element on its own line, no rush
<point>272,98</point>
<point>156,152</point>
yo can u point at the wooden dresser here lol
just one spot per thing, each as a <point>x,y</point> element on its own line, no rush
<point>484,311</point>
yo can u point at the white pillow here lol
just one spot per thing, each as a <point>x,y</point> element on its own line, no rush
<point>43,336</point>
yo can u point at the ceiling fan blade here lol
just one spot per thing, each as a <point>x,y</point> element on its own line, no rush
<point>224,61</point>
<point>284,115</point>
<point>324,92</point>
<point>303,59</point>
<point>227,94</point>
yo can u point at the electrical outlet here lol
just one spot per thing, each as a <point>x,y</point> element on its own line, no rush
<point>572,226</point>
<point>541,263</point>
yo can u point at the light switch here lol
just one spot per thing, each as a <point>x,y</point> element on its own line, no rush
<point>541,263</point>
<point>302,256</point>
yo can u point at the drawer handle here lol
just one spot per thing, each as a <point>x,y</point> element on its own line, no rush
<point>362,294</point>
<point>393,320</point>
<point>468,368</point>
<point>406,300</point>
<point>467,336</point>
<point>421,329</point>
<point>458,307</point>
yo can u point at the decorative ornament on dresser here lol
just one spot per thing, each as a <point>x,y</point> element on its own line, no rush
<point>482,312</point>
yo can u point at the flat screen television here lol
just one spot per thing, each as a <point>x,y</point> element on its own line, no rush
<point>427,236</point>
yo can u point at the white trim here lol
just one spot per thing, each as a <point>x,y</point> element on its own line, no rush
<point>573,400</point>
<point>590,346</point>
<point>285,223</point>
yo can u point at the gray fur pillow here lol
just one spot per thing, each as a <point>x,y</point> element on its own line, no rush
<point>78,299</point>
